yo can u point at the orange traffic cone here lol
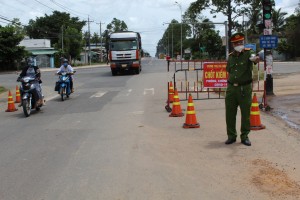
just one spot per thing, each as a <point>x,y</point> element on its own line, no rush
<point>191,120</point>
<point>11,106</point>
<point>18,96</point>
<point>176,109</point>
<point>255,123</point>
<point>171,93</point>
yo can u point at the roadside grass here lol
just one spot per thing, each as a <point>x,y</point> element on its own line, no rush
<point>2,89</point>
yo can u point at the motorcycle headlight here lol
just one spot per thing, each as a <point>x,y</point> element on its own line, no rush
<point>26,86</point>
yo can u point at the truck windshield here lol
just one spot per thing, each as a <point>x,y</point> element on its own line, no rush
<point>122,45</point>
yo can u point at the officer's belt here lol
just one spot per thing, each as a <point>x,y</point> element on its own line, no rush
<point>240,84</point>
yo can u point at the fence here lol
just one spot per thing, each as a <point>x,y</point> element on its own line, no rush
<point>195,77</point>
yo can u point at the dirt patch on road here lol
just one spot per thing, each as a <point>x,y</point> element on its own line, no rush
<point>273,181</point>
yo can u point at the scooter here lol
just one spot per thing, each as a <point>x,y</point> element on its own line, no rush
<point>29,96</point>
<point>63,85</point>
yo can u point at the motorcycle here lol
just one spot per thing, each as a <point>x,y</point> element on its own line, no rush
<point>29,96</point>
<point>63,85</point>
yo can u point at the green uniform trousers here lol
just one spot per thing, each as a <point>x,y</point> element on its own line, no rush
<point>238,96</point>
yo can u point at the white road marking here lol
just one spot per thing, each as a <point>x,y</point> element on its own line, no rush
<point>148,89</point>
<point>51,97</point>
<point>129,91</point>
<point>98,94</point>
<point>139,112</point>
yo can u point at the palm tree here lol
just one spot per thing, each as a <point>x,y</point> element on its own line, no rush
<point>278,20</point>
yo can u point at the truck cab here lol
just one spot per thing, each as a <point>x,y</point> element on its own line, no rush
<point>125,52</point>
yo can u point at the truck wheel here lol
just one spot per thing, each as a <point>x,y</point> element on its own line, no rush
<point>113,72</point>
<point>137,71</point>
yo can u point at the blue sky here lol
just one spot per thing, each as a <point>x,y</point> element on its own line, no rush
<point>145,16</point>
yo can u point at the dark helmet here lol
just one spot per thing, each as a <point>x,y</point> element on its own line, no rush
<point>65,62</point>
<point>30,62</point>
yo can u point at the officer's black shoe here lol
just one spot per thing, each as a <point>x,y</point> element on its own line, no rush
<point>246,142</point>
<point>230,141</point>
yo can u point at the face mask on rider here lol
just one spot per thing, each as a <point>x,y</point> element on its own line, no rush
<point>65,64</point>
<point>239,48</point>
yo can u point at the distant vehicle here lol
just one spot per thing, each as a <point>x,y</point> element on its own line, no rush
<point>125,52</point>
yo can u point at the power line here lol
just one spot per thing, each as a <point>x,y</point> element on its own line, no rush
<point>66,9</point>
<point>4,22</point>
<point>44,5</point>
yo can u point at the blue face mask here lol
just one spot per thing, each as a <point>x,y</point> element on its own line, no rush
<point>66,64</point>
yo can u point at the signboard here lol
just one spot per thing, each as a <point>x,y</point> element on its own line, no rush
<point>214,75</point>
<point>269,63</point>
<point>268,41</point>
<point>268,24</point>
<point>267,31</point>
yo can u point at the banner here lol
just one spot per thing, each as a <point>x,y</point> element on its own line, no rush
<point>214,75</point>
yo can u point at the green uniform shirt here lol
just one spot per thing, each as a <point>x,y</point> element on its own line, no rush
<point>239,67</point>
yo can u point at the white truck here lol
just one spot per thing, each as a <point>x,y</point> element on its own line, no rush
<point>125,52</point>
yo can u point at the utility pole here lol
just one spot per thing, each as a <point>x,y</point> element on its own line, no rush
<point>179,5</point>
<point>268,44</point>
<point>223,23</point>
<point>172,44</point>
<point>62,38</point>
<point>89,40</point>
<point>101,52</point>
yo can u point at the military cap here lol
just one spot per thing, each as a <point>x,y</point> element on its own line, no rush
<point>237,37</point>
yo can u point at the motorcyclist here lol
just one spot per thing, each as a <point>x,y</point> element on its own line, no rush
<point>33,71</point>
<point>66,67</point>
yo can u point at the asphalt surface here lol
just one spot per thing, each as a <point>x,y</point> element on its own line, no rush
<point>113,139</point>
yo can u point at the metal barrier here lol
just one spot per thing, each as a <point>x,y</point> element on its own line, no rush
<point>188,79</point>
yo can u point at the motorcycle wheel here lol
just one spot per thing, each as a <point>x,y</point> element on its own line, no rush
<point>38,108</point>
<point>26,107</point>
<point>62,91</point>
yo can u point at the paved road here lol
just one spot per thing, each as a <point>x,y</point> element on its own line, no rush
<point>113,139</point>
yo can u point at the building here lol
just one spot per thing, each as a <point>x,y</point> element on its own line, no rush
<point>42,50</point>
<point>95,51</point>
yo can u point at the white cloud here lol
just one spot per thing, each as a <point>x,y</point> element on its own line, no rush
<point>287,6</point>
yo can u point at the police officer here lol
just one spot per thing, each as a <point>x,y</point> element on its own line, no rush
<point>239,88</point>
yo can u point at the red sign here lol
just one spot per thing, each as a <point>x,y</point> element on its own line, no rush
<point>214,75</point>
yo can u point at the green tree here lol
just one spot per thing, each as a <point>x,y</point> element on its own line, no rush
<point>10,53</point>
<point>231,9</point>
<point>116,26</point>
<point>207,42</point>
<point>292,31</point>
<point>95,39</point>
<point>171,40</point>
<point>73,43</point>
<point>278,19</point>
<point>53,27</point>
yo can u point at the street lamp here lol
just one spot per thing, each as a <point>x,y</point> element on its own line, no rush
<point>179,5</point>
